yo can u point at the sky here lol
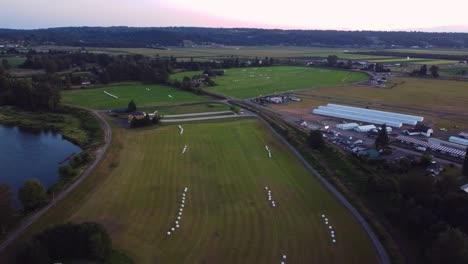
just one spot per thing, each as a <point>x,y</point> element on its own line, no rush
<point>447,15</point>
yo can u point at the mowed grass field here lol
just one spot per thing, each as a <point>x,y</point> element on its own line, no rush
<point>251,82</point>
<point>226,218</point>
<point>95,98</point>
<point>443,102</point>
<point>136,192</point>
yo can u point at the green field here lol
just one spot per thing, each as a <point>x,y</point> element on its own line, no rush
<point>95,98</point>
<point>136,190</point>
<point>14,61</point>
<point>251,82</point>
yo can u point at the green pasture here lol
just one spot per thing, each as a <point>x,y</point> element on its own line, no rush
<point>142,94</point>
<point>251,82</point>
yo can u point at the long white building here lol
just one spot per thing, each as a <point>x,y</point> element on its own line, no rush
<point>367,115</point>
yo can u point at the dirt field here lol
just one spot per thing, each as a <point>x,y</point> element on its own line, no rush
<point>442,103</point>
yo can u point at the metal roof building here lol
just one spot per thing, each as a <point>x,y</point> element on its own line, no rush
<point>367,115</point>
<point>435,147</point>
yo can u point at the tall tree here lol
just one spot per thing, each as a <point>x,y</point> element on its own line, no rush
<point>382,139</point>
<point>32,195</point>
<point>465,163</point>
<point>131,106</point>
<point>316,139</point>
<point>434,71</point>
<point>332,60</point>
<point>6,208</point>
<point>6,65</point>
<point>450,247</point>
<point>423,70</point>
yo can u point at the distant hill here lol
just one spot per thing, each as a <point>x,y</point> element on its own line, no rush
<point>186,36</point>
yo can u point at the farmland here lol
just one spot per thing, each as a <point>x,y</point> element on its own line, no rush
<point>441,101</point>
<point>143,95</point>
<point>136,190</point>
<point>251,82</point>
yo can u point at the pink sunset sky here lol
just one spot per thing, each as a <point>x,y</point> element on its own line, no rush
<point>447,15</point>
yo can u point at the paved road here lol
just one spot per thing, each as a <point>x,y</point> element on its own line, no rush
<point>12,236</point>
<point>379,248</point>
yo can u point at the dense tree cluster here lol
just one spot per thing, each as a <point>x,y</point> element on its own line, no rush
<point>86,241</point>
<point>423,71</point>
<point>316,140</point>
<point>32,195</point>
<point>382,140</point>
<point>431,211</point>
<point>40,93</point>
<point>7,211</point>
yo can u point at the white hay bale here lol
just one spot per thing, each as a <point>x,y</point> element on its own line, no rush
<point>330,227</point>
<point>180,213</point>
<point>274,205</point>
<point>186,189</point>
<point>182,206</point>
<point>177,226</point>
<point>183,194</point>
<point>326,219</point>
<point>334,241</point>
<point>332,235</point>
<point>266,188</point>
<point>168,233</point>
<point>333,232</point>
<point>178,218</point>
<point>284,256</point>
<point>323,216</point>
<point>170,96</point>
<point>173,229</point>
<point>176,222</point>
<point>181,209</point>
<point>269,198</point>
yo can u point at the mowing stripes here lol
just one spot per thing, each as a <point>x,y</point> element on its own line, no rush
<point>179,214</point>
<point>269,152</point>
<point>332,231</point>
<point>270,197</point>
<point>185,149</point>
<point>181,130</point>
<point>111,95</point>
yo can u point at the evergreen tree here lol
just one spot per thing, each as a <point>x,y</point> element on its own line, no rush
<point>32,195</point>
<point>131,106</point>
<point>434,71</point>
<point>382,139</point>
<point>316,139</point>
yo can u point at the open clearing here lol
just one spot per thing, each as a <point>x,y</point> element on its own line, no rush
<point>136,191</point>
<point>441,101</point>
<point>95,98</point>
<point>251,82</point>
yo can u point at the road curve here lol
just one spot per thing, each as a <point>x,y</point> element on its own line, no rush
<point>379,248</point>
<point>12,236</point>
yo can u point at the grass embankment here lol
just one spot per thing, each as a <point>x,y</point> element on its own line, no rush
<point>76,125</point>
<point>135,192</point>
<point>143,95</point>
<point>251,82</point>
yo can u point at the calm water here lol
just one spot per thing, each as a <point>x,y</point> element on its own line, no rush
<point>25,154</point>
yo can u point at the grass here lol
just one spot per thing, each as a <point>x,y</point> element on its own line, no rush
<point>14,61</point>
<point>251,82</point>
<point>417,61</point>
<point>442,102</point>
<point>135,191</point>
<point>158,95</point>
<point>188,108</point>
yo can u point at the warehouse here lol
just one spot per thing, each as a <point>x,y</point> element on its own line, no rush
<point>458,140</point>
<point>366,115</point>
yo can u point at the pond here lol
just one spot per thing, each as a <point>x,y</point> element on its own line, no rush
<point>26,154</point>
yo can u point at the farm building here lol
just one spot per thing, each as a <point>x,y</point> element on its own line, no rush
<point>420,130</point>
<point>463,135</point>
<point>458,140</point>
<point>464,188</point>
<point>367,115</point>
<point>364,129</point>
<point>435,147</point>
<point>347,126</point>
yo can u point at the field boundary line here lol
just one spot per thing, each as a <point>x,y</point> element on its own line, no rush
<point>379,248</point>
<point>12,236</point>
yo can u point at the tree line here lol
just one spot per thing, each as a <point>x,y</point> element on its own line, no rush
<point>178,36</point>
